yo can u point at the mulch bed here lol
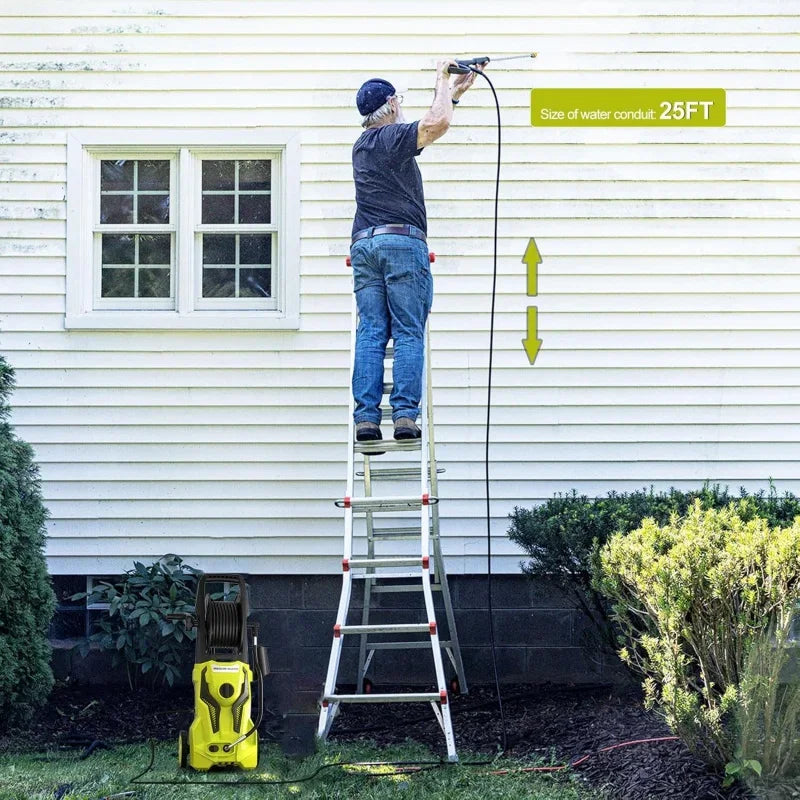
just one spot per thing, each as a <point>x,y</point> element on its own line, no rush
<point>557,723</point>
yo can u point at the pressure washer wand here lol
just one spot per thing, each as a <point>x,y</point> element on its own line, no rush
<point>464,64</point>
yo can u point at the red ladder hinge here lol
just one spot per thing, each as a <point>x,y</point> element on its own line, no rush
<point>345,565</point>
<point>346,502</point>
<point>425,499</point>
<point>337,631</point>
<point>443,697</point>
<point>426,562</point>
<point>432,626</point>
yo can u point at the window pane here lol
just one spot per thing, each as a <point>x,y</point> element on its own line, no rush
<point>254,175</point>
<point>153,209</point>
<point>153,175</point>
<point>255,248</point>
<point>219,249</point>
<point>254,208</point>
<point>116,175</point>
<point>118,248</point>
<point>154,248</point>
<point>219,174</point>
<point>219,282</point>
<point>117,282</point>
<point>255,282</point>
<point>116,209</point>
<point>218,208</point>
<point>154,282</point>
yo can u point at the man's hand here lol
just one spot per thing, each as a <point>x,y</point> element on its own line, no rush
<point>442,67</point>
<point>462,82</point>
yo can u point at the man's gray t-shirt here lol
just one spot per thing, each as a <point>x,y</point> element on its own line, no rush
<point>387,178</point>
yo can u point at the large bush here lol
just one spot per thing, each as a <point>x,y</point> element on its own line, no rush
<point>563,536</point>
<point>705,603</point>
<point>137,629</point>
<point>26,596</point>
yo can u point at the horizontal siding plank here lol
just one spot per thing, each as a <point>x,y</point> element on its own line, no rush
<point>131,23</point>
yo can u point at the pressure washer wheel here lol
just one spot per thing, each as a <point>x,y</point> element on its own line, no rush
<point>183,749</point>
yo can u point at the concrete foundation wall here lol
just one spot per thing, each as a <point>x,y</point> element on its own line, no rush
<point>540,636</point>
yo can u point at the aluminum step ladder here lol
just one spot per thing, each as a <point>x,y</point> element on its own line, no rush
<point>418,568</point>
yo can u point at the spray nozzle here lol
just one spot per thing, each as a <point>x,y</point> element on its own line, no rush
<point>465,64</point>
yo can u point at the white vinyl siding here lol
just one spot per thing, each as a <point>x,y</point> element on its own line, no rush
<point>668,293</point>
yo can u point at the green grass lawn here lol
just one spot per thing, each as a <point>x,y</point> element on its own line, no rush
<point>37,776</point>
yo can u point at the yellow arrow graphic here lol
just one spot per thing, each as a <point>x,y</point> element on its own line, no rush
<point>531,342</point>
<point>532,259</point>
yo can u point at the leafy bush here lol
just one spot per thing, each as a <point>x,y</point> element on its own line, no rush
<point>26,595</point>
<point>136,629</point>
<point>563,536</point>
<point>705,603</point>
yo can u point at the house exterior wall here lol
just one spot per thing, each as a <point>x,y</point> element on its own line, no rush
<point>667,294</point>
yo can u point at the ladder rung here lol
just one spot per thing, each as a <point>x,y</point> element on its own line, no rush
<point>404,587</point>
<point>400,473</point>
<point>403,645</point>
<point>397,473</point>
<point>399,697</point>
<point>403,627</point>
<point>361,563</point>
<point>398,503</point>
<point>387,446</point>
<point>361,576</point>
<point>412,532</point>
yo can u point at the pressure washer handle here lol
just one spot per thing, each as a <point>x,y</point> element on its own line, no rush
<point>464,64</point>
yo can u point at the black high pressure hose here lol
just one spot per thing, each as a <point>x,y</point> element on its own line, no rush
<point>416,766</point>
<point>503,732</point>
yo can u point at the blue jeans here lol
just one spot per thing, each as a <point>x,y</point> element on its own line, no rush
<point>394,291</point>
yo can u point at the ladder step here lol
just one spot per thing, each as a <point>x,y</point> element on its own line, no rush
<point>399,697</point>
<point>400,473</point>
<point>387,446</point>
<point>397,473</point>
<point>404,645</point>
<point>404,627</point>
<point>399,503</point>
<point>412,532</point>
<point>361,563</point>
<point>362,576</point>
<point>404,587</point>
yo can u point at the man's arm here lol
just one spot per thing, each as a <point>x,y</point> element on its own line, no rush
<point>436,121</point>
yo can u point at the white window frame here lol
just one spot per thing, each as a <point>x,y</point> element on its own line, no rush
<point>85,149</point>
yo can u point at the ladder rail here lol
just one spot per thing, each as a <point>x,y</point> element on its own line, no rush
<point>428,565</point>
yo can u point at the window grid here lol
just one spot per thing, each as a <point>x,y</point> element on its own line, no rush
<point>236,229</point>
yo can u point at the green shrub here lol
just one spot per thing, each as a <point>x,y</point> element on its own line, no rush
<point>705,604</point>
<point>136,629</point>
<point>26,595</point>
<point>563,536</point>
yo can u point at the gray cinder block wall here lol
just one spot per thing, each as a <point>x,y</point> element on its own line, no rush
<point>539,634</point>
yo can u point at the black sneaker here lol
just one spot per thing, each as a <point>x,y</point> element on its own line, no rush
<point>406,428</point>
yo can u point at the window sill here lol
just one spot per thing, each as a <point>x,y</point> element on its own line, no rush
<point>171,320</point>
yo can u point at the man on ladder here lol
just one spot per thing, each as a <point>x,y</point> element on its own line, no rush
<point>393,291</point>
<point>389,254</point>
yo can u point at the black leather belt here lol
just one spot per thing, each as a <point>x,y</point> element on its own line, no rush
<point>401,230</point>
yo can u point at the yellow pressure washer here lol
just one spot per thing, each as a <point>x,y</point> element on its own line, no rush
<point>223,733</point>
